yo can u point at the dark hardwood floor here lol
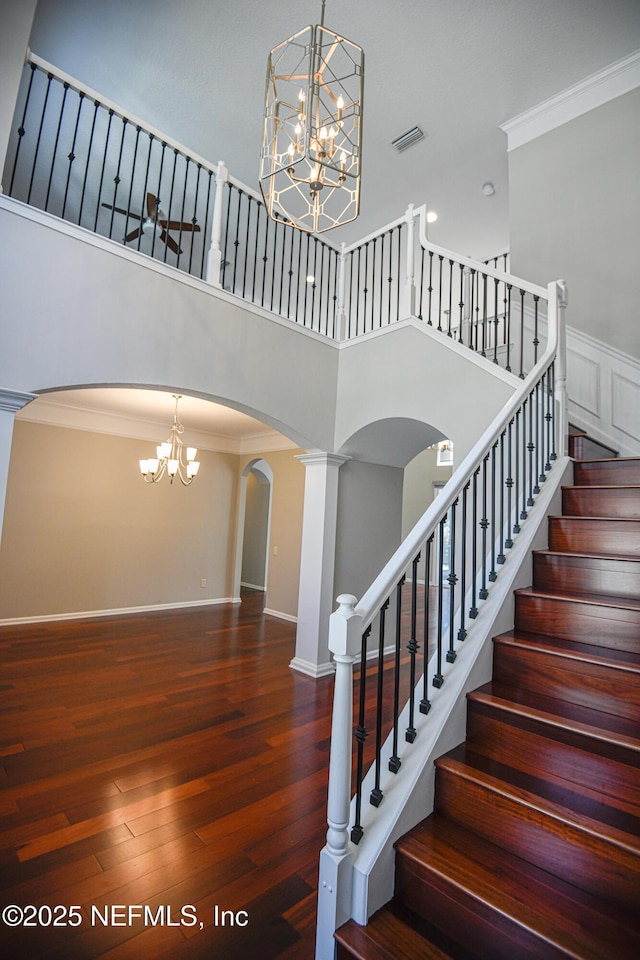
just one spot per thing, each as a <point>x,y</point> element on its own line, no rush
<point>171,760</point>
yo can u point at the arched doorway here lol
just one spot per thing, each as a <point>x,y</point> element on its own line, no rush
<point>254,521</point>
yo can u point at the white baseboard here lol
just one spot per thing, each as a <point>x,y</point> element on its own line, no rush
<point>280,615</point>
<point>311,669</point>
<point>116,612</point>
<point>252,586</point>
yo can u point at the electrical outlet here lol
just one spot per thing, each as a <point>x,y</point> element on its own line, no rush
<point>203,582</point>
<point>275,551</point>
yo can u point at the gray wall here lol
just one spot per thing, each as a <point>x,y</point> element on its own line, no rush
<point>575,214</point>
<point>256,528</point>
<point>16,18</point>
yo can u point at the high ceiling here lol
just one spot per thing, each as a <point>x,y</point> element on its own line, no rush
<point>195,69</point>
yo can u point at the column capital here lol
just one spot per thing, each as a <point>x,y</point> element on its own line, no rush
<point>14,400</point>
<point>325,459</point>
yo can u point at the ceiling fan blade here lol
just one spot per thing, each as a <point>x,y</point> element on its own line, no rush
<point>170,242</point>
<point>177,225</point>
<point>152,205</point>
<point>132,235</point>
<point>127,213</point>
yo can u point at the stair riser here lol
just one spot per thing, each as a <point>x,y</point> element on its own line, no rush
<point>588,684</point>
<point>584,535</point>
<point>557,754</point>
<point>588,861</point>
<point>605,472</point>
<point>601,502</point>
<point>483,931</point>
<point>579,621</point>
<point>585,575</point>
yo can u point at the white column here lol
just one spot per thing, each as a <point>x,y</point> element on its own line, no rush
<point>317,563</point>
<point>10,402</point>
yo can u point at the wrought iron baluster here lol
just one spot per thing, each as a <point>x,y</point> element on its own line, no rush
<point>255,256</point>
<point>157,210</point>
<point>523,512</point>
<point>399,272</point>
<point>365,288</point>
<point>484,526</point>
<point>440,258</point>
<point>509,485</point>
<point>55,144</point>
<point>430,287</point>
<point>104,161</point>
<point>421,283</point>
<point>547,417</point>
<point>96,107</point>
<point>376,793</point>
<point>205,229</point>
<point>358,292</point>
<point>438,678</point>
<point>236,242</point>
<point>496,321</point>
<point>501,557</point>
<point>171,192</point>
<point>531,449</point>
<point>394,760</point>
<point>22,128</point>
<point>552,371</point>
<point>360,735</point>
<point>314,283</point>
<point>516,491</point>
<point>116,179</point>
<point>452,579</point>
<point>473,611</point>
<point>536,341</point>
<point>182,208</point>
<point>450,298</point>
<point>461,304</point>
<point>508,326</point>
<point>493,576</point>
<point>521,374</point>
<point>37,149</point>
<point>225,261</point>
<point>484,314</point>
<point>462,631</point>
<point>194,218</point>
<point>247,234</point>
<point>71,156</point>
<point>413,646</point>
<point>425,703</point>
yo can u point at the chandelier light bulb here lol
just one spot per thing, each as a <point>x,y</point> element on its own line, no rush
<point>172,458</point>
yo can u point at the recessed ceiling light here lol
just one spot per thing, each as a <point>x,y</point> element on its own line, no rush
<point>488,189</point>
<point>311,278</point>
<point>432,216</point>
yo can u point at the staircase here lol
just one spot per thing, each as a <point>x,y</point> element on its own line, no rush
<point>533,849</point>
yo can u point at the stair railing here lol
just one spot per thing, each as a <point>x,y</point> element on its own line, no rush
<point>406,630</point>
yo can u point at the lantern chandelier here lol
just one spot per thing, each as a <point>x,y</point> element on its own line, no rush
<point>311,146</point>
<point>169,456</point>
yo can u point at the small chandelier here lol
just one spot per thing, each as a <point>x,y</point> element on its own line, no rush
<point>169,456</point>
<point>311,146</point>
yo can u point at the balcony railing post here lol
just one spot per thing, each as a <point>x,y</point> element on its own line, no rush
<point>341,312</point>
<point>561,376</point>
<point>409,292</point>
<point>214,259</point>
<point>334,886</point>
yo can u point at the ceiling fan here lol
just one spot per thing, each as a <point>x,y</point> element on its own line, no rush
<point>156,223</point>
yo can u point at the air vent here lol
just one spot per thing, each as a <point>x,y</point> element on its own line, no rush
<point>407,139</point>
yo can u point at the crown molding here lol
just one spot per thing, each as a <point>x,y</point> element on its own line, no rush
<point>613,81</point>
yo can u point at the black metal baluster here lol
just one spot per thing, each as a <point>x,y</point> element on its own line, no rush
<point>484,314</point>
<point>508,325</point>
<point>536,341</point>
<point>358,291</point>
<point>547,418</point>
<point>314,284</point>
<point>539,443</point>
<point>496,321</point>
<point>133,167</point>
<point>254,274</point>
<point>440,258</point>
<point>552,370</point>
<point>35,155</point>
<point>171,192</point>
<point>399,271</point>
<point>390,277</point>
<point>293,234</point>
<point>430,287</point>
<point>450,297</point>
<point>104,161</point>
<point>225,261</point>
<point>22,128</point>
<point>365,288</point>
<point>376,793</point>
<point>484,526</point>
<point>299,278</point>
<point>306,285</point>
<point>509,485</point>
<point>462,632</point>
<point>472,308</point>
<point>275,260</point>
<point>96,107</point>
<point>336,266</point>
<point>236,242</point>
<point>55,144</point>
<point>493,576</point>
<point>116,179</point>
<point>523,512</point>
<point>350,293</point>
<point>182,214</point>
<point>360,734</point>
<point>438,678</point>
<point>268,223</point>
<point>394,759</point>
<point>531,448</point>
<point>157,210</point>
<point>516,491</point>
<point>473,610</point>
<point>452,579</point>
<point>420,317</point>
<point>521,374</point>
<point>501,557</point>
<point>461,304</point>
<point>413,646</point>
<point>246,245</point>
<point>71,156</point>
<point>425,703</point>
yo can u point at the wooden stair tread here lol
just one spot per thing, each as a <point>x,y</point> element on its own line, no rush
<point>475,872</point>
<point>393,933</point>
<point>594,599</point>
<point>589,556</point>
<point>564,805</point>
<point>558,646</point>
<point>603,727</point>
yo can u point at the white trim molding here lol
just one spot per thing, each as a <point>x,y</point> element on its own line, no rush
<point>116,612</point>
<point>613,81</point>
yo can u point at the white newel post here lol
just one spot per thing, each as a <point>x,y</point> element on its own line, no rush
<point>10,402</point>
<point>214,258</point>
<point>341,313</point>
<point>317,562</point>
<point>409,305</point>
<point>561,378</point>
<point>336,859</point>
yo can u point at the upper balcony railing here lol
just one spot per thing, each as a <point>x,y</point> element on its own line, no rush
<point>81,157</point>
